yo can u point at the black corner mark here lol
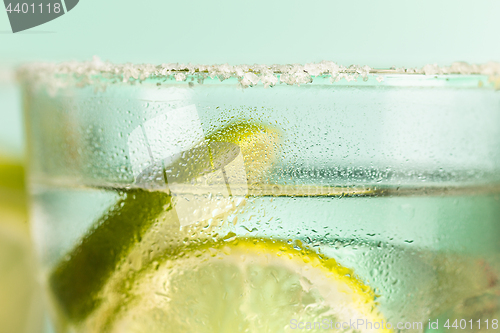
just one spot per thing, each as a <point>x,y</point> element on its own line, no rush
<point>26,14</point>
<point>70,4</point>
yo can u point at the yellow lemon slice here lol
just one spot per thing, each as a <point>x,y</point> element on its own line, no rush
<point>240,285</point>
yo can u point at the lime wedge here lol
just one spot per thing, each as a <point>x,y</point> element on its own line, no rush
<point>77,280</point>
<point>12,192</point>
<point>258,144</point>
<point>11,175</point>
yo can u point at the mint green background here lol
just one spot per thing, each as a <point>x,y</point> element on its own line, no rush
<point>375,33</point>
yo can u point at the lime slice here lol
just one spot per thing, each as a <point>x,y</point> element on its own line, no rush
<point>258,144</point>
<point>238,285</point>
<point>11,174</point>
<point>78,278</point>
<point>20,306</point>
<point>12,192</point>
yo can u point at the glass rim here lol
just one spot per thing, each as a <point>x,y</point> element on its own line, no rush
<point>89,72</point>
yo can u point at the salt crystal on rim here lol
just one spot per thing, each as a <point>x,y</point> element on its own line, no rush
<point>104,73</point>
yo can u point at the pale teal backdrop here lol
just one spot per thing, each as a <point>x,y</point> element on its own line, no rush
<point>371,32</point>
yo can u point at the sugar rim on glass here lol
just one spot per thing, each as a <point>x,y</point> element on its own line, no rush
<point>96,70</point>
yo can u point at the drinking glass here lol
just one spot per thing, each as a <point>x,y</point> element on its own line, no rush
<point>21,307</point>
<point>179,198</point>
